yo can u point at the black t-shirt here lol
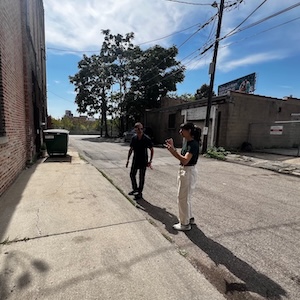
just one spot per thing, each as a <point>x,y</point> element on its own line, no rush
<point>140,153</point>
<point>193,148</point>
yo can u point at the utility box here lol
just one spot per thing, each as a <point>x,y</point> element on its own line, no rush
<point>56,141</point>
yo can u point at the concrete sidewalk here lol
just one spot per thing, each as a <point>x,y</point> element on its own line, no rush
<point>67,233</point>
<point>280,162</point>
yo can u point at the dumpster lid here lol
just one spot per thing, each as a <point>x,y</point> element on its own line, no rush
<point>57,131</point>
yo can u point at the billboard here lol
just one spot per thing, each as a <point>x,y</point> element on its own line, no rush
<point>244,84</point>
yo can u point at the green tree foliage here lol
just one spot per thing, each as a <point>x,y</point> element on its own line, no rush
<point>138,77</point>
<point>119,52</point>
<point>185,96</point>
<point>92,84</point>
<point>203,92</point>
<point>155,72</point>
<point>75,124</point>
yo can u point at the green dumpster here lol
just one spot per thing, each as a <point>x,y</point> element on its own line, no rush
<point>56,141</point>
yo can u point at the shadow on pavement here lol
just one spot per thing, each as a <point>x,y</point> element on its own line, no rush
<point>12,197</point>
<point>254,281</point>
<point>159,214</point>
<point>28,269</point>
<point>58,158</point>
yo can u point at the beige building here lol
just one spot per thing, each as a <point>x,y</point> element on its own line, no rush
<point>235,119</point>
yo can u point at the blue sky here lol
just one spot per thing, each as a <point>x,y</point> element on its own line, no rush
<point>271,48</point>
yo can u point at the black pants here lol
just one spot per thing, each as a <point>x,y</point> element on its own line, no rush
<point>133,172</point>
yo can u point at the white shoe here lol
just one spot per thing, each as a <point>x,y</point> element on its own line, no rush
<point>182,227</point>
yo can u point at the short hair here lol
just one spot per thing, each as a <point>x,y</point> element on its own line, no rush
<point>138,124</point>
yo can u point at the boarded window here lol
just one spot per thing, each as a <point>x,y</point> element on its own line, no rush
<point>171,123</point>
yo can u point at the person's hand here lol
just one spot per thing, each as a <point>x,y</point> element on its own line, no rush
<point>169,144</point>
<point>149,165</point>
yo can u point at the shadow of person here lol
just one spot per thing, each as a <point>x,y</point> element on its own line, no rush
<point>160,214</point>
<point>254,281</point>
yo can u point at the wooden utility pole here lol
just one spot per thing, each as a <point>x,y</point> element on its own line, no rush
<point>212,70</point>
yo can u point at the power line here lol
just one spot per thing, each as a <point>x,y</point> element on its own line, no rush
<point>164,37</point>
<point>269,17</point>
<point>253,24</point>
<point>245,19</point>
<point>68,50</point>
<point>190,3</point>
<point>60,97</point>
<point>266,30</point>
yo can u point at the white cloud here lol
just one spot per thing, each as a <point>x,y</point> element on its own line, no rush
<point>77,25</point>
<point>252,59</point>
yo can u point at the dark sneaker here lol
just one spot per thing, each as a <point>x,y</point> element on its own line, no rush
<point>132,193</point>
<point>192,221</point>
<point>182,227</point>
<point>138,196</point>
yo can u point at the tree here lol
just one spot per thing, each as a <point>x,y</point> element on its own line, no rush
<point>155,72</point>
<point>92,84</point>
<point>203,92</point>
<point>119,51</point>
<point>142,77</point>
<point>185,96</point>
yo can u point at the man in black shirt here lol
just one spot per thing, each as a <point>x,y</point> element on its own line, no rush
<point>139,145</point>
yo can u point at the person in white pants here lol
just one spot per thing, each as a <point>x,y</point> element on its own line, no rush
<point>187,174</point>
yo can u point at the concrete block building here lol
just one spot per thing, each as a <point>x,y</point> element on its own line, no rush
<point>23,106</point>
<point>235,118</point>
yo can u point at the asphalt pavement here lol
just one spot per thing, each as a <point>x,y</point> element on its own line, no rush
<point>67,232</point>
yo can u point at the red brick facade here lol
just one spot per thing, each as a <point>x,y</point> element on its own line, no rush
<point>22,85</point>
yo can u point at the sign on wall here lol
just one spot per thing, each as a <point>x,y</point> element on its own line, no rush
<point>244,84</point>
<point>276,130</point>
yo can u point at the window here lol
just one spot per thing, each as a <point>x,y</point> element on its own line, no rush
<point>171,123</point>
<point>2,123</point>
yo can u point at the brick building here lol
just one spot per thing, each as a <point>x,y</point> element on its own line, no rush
<point>235,118</point>
<point>23,106</point>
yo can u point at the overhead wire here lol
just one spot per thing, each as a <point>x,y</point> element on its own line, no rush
<point>190,3</point>
<point>225,36</point>
<point>269,17</point>
<point>252,25</point>
<point>271,28</point>
<point>48,91</point>
<point>246,18</point>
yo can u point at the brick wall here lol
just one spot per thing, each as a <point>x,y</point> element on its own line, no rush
<point>18,65</point>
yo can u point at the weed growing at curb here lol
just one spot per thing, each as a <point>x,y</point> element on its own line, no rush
<point>7,241</point>
<point>217,153</point>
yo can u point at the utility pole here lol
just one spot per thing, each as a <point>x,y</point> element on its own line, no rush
<point>212,69</point>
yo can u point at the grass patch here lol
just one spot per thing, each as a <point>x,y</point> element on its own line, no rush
<point>217,153</point>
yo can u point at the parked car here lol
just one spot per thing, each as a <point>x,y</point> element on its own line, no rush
<point>128,135</point>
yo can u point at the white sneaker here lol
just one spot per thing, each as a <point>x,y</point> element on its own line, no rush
<point>182,227</point>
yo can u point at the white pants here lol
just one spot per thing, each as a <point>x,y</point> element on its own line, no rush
<point>187,178</point>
